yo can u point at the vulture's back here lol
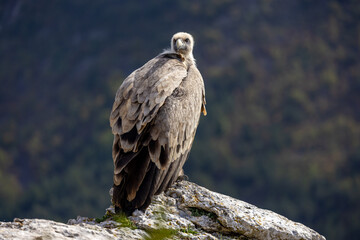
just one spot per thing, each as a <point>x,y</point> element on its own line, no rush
<point>154,120</point>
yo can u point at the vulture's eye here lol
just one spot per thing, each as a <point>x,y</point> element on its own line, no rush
<point>187,40</point>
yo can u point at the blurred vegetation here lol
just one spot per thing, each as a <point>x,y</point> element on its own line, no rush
<point>283,91</point>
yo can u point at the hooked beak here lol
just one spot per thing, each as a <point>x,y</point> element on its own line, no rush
<point>180,44</point>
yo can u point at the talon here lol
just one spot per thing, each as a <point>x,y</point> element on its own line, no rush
<point>182,178</point>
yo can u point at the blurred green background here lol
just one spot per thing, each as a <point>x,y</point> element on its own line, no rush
<point>283,92</point>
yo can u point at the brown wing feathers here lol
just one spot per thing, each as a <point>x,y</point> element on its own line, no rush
<point>137,151</point>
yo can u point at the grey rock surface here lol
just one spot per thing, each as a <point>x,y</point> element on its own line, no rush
<point>41,229</point>
<point>185,211</point>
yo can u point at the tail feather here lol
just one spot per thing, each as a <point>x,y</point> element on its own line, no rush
<point>141,180</point>
<point>142,197</point>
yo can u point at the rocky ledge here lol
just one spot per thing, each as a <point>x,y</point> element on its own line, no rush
<point>185,211</point>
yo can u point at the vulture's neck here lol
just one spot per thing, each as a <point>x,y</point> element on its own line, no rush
<point>187,60</point>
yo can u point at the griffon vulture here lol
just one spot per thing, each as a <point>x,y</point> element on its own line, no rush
<point>154,120</point>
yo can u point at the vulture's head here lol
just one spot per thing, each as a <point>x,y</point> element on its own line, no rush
<point>183,44</point>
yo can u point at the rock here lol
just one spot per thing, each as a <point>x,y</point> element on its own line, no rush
<point>214,212</point>
<point>185,211</point>
<point>41,229</point>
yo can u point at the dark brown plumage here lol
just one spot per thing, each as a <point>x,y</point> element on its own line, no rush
<point>154,120</point>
